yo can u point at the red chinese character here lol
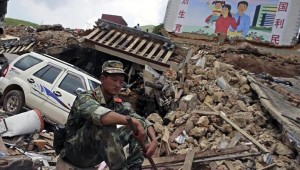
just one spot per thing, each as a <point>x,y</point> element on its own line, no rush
<point>279,23</point>
<point>185,2</point>
<point>178,27</point>
<point>181,14</point>
<point>275,39</point>
<point>283,6</point>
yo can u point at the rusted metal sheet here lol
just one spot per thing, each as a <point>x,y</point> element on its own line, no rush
<point>131,44</point>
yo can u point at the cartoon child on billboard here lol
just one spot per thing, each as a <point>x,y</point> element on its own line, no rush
<point>216,11</point>
<point>242,20</point>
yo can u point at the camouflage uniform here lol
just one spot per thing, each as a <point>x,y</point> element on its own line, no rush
<point>89,143</point>
<point>3,11</point>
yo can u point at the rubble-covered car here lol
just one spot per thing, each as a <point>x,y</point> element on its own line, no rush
<point>43,82</point>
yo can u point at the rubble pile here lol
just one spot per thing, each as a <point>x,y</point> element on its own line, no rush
<point>206,106</point>
<point>48,40</point>
<point>29,151</point>
<point>210,87</point>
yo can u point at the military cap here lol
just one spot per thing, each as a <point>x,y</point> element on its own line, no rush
<point>113,67</point>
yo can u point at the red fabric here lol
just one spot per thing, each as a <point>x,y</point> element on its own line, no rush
<point>118,100</point>
<point>208,18</point>
<point>222,24</point>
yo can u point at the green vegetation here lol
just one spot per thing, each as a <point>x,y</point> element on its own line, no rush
<point>149,27</point>
<point>16,22</point>
<point>156,29</point>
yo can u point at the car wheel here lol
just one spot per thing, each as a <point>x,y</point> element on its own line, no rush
<point>14,102</point>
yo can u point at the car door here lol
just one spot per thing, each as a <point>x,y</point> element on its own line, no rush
<point>59,107</point>
<point>41,82</point>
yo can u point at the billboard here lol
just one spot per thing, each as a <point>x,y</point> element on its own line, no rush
<point>270,21</point>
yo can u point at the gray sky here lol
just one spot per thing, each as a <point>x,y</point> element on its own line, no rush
<point>81,13</point>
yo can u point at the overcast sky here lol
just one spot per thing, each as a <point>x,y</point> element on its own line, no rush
<point>78,13</point>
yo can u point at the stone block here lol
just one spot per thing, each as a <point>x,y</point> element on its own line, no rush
<point>198,132</point>
<point>203,121</point>
<point>187,102</point>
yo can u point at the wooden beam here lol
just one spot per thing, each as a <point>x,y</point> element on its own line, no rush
<point>186,59</point>
<point>223,115</point>
<point>92,33</point>
<point>198,155</point>
<point>112,38</point>
<point>106,36</point>
<point>177,132</point>
<point>168,55</point>
<point>99,35</point>
<point>153,50</point>
<point>188,162</point>
<point>127,56</point>
<point>46,135</point>
<point>146,49</point>
<point>159,54</point>
<point>208,159</point>
<point>139,46</point>
<point>22,49</point>
<point>132,44</point>
<point>126,42</point>
<point>13,49</point>
<point>165,141</point>
<point>119,40</point>
<point>205,113</point>
<point>17,50</point>
<point>30,45</point>
<point>234,140</point>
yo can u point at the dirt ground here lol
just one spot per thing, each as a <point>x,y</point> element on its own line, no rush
<point>256,58</point>
<point>278,66</point>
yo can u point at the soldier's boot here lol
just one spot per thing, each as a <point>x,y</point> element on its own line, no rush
<point>136,167</point>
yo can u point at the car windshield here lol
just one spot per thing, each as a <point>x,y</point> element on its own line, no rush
<point>93,84</point>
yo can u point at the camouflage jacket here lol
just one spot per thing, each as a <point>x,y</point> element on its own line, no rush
<point>90,106</point>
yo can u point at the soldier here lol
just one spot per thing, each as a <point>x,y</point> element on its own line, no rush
<point>92,135</point>
<point>3,11</point>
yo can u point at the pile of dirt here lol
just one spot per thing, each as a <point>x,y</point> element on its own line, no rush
<point>256,58</point>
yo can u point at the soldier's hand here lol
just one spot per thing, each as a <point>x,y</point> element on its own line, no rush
<point>151,148</point>
<point>141,134</point>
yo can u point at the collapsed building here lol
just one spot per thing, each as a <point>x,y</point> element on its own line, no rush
<point>207,102</point>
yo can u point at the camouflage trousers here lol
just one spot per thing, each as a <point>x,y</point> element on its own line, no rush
<point>93,144</point>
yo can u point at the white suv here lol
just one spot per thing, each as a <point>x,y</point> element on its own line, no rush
<point>45,83</point>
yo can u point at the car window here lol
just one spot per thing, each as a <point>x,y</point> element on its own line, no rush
<point>93,84</point>
<point>48,73</point>
<point>71,83</point>
<point>27,62</point>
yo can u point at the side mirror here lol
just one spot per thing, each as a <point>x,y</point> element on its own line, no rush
<point>79,90</point>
